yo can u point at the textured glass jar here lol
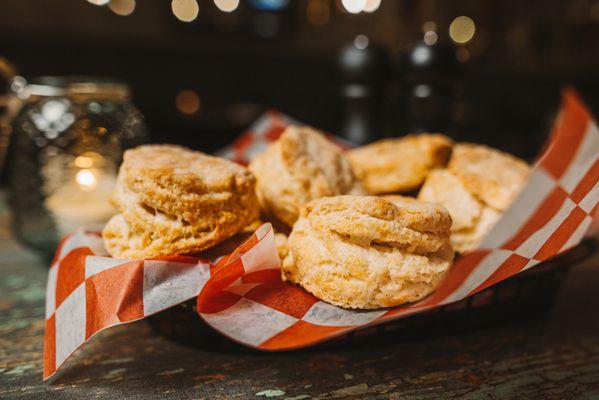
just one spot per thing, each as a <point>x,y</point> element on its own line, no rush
<point>67,143</point>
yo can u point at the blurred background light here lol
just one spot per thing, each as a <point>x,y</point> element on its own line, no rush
<point>430,37</point>
<point>227,5</point>
<point>429,26</point>
<point>361,42</point>
<point>462,54</point>
<point>269,5</point>
<point>462,29</point>
<point>371,6</point>
<point>122,7</point>
<point>187,101</point>
<point>98,2</point>
<point>185,10</point>
<point>87,179</point>
<point>353,6</point>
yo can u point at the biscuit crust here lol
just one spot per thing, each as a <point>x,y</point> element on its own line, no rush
<point>380,263</point>
<point>399,165</point>
<point>478,184</point>
<point>415,226</point>
<point>491,175</point>
<point>300,166</point>
<point>176,201</point>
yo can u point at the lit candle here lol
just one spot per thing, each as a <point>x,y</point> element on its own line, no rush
<point>84,202</point>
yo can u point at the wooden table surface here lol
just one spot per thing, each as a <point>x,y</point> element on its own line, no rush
<point>551,357</point>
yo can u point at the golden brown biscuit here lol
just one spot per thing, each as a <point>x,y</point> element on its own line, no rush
<point>300,166</point>
<point>180,182</point>
<point>443,187</point>
<point>399,165</point>
<point>415,226</point>
<point>491,175</point>
<point>477,186</point>
<point>176,201</point>
<point>383,262</point>
<point>281,244</point>
<point>120,241</point>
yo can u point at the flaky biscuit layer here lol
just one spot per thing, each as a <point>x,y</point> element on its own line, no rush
<point>415,226</point>
<point>491,175</point>
<point>472,219</point>
<point>300,166</point>
<point>348,271</point>
<point>399,165</point>
<point>188,184</point>
<point>176,201</point>
<point>478,184</point>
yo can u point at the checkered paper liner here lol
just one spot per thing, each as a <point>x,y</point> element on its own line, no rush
<point>242,296</point>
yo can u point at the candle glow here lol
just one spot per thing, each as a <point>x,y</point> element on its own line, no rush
<point>86,179</point>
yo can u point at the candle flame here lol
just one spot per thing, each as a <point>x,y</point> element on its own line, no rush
<point>86,179</point>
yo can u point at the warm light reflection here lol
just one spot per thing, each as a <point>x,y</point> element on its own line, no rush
<point>371,6</point>
<point>354,6</point>
<point>84,162</point>
<point>462,30</point>
<point>122,7</point>
<point>227,5</point>
<point>429,26</point>
<point>98,2</point>
<point>187,101</point>
<point>318,12</point>
<point>185,10</point>
<point>89,159</point>
<point>86,179</point>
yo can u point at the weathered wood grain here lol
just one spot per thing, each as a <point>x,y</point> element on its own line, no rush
<point>555,357</point>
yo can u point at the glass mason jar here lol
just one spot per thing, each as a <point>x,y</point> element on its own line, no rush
<point>67,143</point>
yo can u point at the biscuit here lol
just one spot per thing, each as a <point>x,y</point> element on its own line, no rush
<point>491,175</point>
<point>384,262</point>
<point>399,165</point>
<point>300,166</point>
<point>443,187</point>
<point>176,201</point>
<point>477,186</point>
<point>415,226</point>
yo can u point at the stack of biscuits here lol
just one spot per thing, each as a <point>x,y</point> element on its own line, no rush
<point>172,200</point>
<point>346,231</point>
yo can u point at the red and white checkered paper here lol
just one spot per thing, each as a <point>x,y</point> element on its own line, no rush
<point>243,297</point>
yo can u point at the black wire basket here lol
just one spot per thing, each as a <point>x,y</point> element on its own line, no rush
<point>527,295</point>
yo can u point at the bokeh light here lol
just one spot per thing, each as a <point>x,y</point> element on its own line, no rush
<point>430,37</point>
<point>227,5</point>
<point>462,29</point>
<point>429,26</point>
<point>187,101</point>
<point>361,42</point>
<point>353,6</point>
<point>185,10</point>
<point>122,7</point>
<point>98,2</point>
<point>86,179</point>
<point>371,6</point>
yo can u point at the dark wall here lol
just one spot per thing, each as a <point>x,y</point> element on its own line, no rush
<point>520,57</point>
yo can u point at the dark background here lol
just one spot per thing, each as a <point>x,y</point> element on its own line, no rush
<point>504,91</point>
